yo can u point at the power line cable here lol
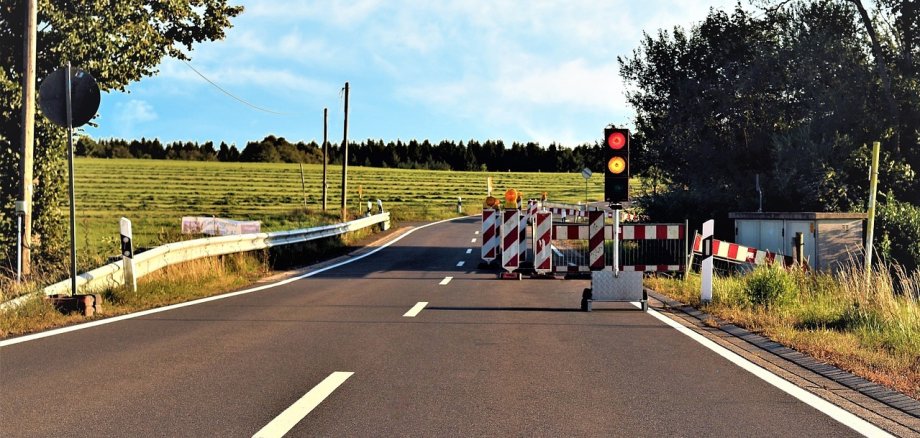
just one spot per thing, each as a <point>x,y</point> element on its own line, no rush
<point>231,94</point>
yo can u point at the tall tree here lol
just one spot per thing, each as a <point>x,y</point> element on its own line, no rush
<point>790,95</point>
<point>118,42</point>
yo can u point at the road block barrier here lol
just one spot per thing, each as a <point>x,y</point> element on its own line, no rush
<point>522,238</point>
<point>542,242</point>
<point>596,240</point>
<point>510,238</point>
<point>735,253</point>
<point>533,206</point>
<point>489,247</point>
<point>644,247</point>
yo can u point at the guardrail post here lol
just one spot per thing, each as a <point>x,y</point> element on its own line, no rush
<point>368,214</point>
<point>127,253</point>
<point>380,206</point>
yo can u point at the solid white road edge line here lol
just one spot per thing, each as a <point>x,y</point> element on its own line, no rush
<point>113,319</point>
<point>460,263</point>
<point>831,410</point>
<point>297,411</point>
<point>415,309</point>
<point>446,280</point>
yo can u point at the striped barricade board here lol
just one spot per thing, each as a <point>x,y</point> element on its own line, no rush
<point>593,257</point>
<point>489,237</point>
<point>542,242</point>
<point>510,240</point>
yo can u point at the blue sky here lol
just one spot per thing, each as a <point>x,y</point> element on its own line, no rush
<point>468,69</point>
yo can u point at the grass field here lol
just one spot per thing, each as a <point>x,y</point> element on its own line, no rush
<point>155,194</point>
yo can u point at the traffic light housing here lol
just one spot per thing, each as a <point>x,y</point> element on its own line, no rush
<point>616,165</point>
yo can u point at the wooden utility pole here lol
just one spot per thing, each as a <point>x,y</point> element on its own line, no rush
<point>325,148</point>
<point>28,130</point>
<point>345,160</point>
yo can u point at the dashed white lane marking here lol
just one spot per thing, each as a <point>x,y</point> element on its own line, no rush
<point>459,264</point>
<point>477,232</point>
<point>469,251</point>
<point>473,241</point>
<point>446,280</point>
<point>115,319</point>
<point>292,415</point>
<point>831,410</point>
<point>415,309</point>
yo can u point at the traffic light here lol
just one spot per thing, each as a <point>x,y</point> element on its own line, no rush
<point>616,165</point>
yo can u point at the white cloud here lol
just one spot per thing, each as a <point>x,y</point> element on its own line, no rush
<point>543,70</point>
<point>135,111</point>
<point>339,12</point>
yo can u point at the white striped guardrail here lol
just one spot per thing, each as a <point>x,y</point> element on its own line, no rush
<point>111,275</point>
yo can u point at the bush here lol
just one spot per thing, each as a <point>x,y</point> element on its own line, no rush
<point>769,286</point>
<point>898,229</point>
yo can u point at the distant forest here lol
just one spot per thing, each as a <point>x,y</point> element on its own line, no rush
<point>413,154</point>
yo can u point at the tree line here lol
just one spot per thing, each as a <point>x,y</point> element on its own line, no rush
<point>413,154</point>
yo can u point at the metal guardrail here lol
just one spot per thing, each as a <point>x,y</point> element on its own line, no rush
<point>112,274</point>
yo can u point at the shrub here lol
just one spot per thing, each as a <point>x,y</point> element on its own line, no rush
<point>898,228</point>
<point>770,285</point>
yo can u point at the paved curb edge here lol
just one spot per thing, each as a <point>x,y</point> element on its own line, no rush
<point>870,389</point>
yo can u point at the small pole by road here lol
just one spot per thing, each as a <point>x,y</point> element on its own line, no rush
<point>325,148</point>
<point>73,210</point>
<point>345,160</point>
<point>873,187</point>
<point>303,188</point>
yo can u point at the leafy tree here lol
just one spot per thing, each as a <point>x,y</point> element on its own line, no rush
<point>118,42</point>
<point>790,95</point>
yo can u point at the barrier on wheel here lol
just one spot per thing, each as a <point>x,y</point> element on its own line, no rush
<point>644,247</point>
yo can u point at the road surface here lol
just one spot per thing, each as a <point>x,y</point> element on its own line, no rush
<point>341,354</point>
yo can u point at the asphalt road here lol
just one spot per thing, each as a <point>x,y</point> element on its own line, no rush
<point>485,357</point>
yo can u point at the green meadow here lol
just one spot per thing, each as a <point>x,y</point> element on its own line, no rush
<point>155,194</point>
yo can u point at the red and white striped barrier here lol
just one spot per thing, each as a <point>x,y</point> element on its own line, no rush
<point>522,238</point>
<point>652,232</point>
<point>542,242</point>
<point>510,238</point>
<point>596,240</point>
<point>652,268</point>
<point>734,252</point>
<point>596,232</point>
<point>627,232</point>
<point>489,236</point>
<point>533,206</point>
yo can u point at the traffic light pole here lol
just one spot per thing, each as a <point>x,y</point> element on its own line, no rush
<point>616,238</point>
